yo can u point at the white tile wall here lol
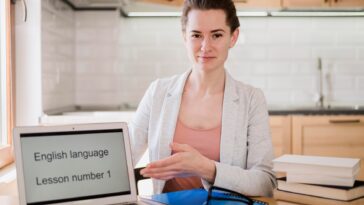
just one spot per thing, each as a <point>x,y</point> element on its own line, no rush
<point>58,62</point>
<point>99,77</point>
<point>360,83</point>
<point>117,58</point>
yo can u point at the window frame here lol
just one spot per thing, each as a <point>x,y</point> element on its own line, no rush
<point>3,75</point>
<point>6,86</point>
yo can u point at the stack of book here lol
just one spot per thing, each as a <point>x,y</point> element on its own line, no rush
<point>319,180</point>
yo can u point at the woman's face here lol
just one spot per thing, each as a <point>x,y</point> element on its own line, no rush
<point>208,39</point>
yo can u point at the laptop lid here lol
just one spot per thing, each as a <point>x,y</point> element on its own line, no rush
<point>89,163</point>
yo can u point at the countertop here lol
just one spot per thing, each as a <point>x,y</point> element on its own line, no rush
<point>317,111</point>
<point>273,110</point>
<point>9,196</point>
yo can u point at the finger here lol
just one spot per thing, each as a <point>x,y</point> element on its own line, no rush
<point>164,162</point>
<point>142,171</point>
<point>170,175</point>
<point>164,175</point>
<point>145,170</point>
<point>161,170</point>
<point>177,166</point>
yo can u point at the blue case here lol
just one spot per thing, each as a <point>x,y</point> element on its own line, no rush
<point>195,197</point>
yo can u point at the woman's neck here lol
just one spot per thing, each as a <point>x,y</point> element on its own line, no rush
<point>206,83</point>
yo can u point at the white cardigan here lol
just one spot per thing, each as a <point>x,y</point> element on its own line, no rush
<point>246,150</point>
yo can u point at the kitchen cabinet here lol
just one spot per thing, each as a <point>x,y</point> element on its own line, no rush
<point>257,4</point>
<point>305,3</point>
<point>331,4</point>
<point>166,2</point>
<point>279,4</point>
<point>347,3</point>
<point>239,3</point>
<point>281,134</point>
<point>336,136</point>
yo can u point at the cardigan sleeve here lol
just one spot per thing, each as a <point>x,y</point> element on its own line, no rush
<point>257,178</point>
<point>139,126</point>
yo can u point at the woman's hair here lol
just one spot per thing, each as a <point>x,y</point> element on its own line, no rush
<point>226,5</point>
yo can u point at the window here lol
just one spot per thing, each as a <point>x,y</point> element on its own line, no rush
<point>3,75</point>
<point>5,85</point>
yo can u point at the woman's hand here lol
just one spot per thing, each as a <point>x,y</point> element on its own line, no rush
<point>186,161</point>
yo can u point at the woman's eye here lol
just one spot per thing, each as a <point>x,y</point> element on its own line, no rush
<point>195,36</point>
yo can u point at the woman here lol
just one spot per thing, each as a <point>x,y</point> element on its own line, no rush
<point>203,127</point>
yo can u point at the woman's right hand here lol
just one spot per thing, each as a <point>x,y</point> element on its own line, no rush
<point>186,161</point>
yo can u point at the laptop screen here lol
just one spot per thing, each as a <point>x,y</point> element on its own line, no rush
<point>69,166</point>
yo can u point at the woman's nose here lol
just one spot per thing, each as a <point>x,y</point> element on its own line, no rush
<point>206,45</point>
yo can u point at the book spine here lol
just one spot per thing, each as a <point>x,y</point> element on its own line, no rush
<point>304,199</point>
<point>310,169</point>
<point>312,190</point>
<point>321,180</point>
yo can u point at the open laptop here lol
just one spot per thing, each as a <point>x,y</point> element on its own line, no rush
<point>78,164</point>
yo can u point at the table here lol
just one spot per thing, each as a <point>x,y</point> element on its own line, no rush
<point>9,196</point>
<point>9,193</point>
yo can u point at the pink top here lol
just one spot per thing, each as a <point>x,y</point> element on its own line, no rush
<point>207,142</point>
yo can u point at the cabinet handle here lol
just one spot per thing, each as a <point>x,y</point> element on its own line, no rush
<point>344,121</point>
<point>240,1</point>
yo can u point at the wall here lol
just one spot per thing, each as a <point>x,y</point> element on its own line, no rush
<point>118,57</point>
<point>28,64</point>
<point>98,79</point>
<point>58,56</point>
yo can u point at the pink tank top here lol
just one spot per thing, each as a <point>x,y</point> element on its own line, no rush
<point>207,142</point>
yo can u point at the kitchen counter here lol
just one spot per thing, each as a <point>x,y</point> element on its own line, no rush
<point>88,116</point>
<point>317,111</point>
<point>81,117</point>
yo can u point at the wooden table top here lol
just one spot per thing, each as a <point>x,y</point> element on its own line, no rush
<point>9,195</point>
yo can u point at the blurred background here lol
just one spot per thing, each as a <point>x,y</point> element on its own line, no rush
<point>102,55</point>
<point>82,61</point>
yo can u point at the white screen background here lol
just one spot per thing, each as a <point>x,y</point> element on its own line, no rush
<point>115,162</point>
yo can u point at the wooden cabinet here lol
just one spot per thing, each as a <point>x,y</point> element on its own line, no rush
<point>166,2</point>
<point>347,3</point>
<point>279,4</point>
<point>333,4</point>
<point>257,4</point>
<point>305,3</point>
<point>281,134</point>
<point>337,136</point>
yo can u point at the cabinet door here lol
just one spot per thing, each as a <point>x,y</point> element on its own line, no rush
<point>305,3</point>
<point>281,134</point>
<point>166,2</point>
<point>348,3</point>
<point>257,4</point>
<point>336,136</point>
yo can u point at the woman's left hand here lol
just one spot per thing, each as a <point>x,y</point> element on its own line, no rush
<point>186,161</point>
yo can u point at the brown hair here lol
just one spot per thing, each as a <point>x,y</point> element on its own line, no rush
<point>226,5</point>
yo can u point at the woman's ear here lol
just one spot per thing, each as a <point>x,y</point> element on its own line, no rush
<point>234,37</point>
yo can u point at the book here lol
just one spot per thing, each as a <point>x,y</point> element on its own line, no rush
<point>330,192</point>
<point>330,166</point>
<point>312,200</point>
<point>192,196</point>
<point>320,179</point>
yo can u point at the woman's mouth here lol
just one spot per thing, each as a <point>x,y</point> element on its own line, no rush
<point>205,58</point>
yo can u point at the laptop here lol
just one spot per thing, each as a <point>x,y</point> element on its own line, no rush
<point>75,164</point>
